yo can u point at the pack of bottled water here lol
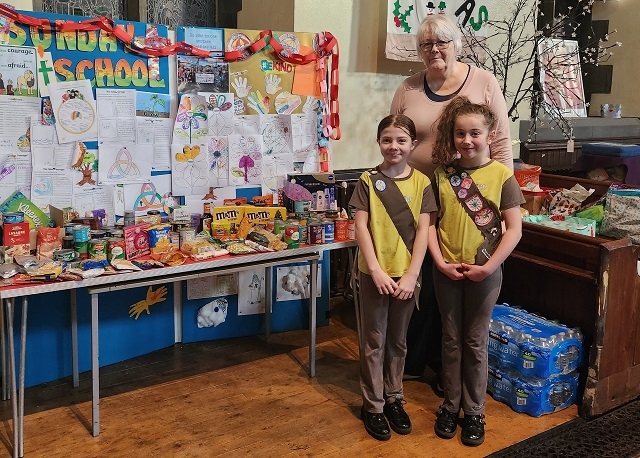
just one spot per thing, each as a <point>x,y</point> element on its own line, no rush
<point>529,394</point>
<point>532,345</point>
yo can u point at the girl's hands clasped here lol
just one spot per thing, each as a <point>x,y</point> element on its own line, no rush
<point>383,282</point>
<point>406,286</point>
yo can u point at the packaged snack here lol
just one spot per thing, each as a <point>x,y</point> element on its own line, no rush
<point>136,240</point>
<point>159,241</point>
<point>123,264</point>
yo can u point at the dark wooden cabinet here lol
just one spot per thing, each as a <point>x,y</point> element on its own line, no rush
<point>590,282</point>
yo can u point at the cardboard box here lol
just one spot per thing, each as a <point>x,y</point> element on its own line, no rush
<point>17,202</point>
<point>318,188</point>
<point>16,239</point>
<point>534,200</point>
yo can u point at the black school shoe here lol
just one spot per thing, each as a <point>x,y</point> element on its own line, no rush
<point>472,430</point>
<point>446,423</point>
<point>398,418</point>
<point>376,425</point>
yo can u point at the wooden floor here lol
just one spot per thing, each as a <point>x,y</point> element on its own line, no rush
<point>244,397</point>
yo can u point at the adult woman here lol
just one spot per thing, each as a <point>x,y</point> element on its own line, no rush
<point>423,96</point>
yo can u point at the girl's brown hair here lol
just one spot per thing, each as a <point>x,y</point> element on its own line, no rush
<point>444,150</point>
<point>398,120</point>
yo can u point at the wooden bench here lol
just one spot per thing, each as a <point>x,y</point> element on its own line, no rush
<point>590,282</point>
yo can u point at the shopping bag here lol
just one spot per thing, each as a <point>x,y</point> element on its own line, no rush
<point>622,214</point>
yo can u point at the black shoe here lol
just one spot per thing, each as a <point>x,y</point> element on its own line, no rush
<point>446,423</point>
<point>473,430</point>
<point>376,425</point>
<point>398,418</point>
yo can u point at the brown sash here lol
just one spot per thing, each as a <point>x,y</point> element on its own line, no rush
<point>482,213</point>
<point>398,209</point>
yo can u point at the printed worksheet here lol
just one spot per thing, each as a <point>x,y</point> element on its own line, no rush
<point>153,126</point>
<point>116,115</point>
<point>51,186</point>
<point>74,109</point>
<point>124,162</point>
<point>15,119</point>
<point>15,174</point>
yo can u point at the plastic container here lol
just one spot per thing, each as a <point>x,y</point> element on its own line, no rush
<point>532,395</point>
<point>532,345</point>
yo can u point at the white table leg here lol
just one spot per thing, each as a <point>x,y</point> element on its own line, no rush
<point>95,367</point>
<point>177,311</point>
<point>313,266</point>
<point>74,339</point>
<point>23,348</point>
<point>268,301</point>
<point>12,378</point>
<point>3,357</point>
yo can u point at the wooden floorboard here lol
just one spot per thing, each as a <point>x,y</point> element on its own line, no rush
<point>244,397</point>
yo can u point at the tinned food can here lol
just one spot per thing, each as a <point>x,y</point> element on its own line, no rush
<point>292,235</point>
<point>97,249</point>
<point>351,229</point>
<point>115,248</point>
<point>341,229</point>
<point>316,231</point>
<point>13,217</point>
<point>329,231</point>
<point>80,233</point>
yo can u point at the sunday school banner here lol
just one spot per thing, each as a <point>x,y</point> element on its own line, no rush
<point>404,17</point>
<point>94,55</point>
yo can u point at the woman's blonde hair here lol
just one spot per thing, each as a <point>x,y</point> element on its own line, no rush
<point>444,149</point>
<point>441,26</point>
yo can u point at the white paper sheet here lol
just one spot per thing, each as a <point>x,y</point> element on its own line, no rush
<point>75,110</point>
<point>116,115</point>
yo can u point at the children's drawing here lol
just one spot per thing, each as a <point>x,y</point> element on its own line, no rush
<point>220,113</point>
<point>304,136</point>
<point>218,155</point>
<point>207,287</point>
<point>276,134</point>
<point>294,283</point>
<point>251,292</point>
<point>286,102</point>
<point>189,170</point>
<point>153,297</point>
<point>150,199</point>
<point>274,172</point>
<point>75,110</point>
<point>124,163</point>
<point>246,125</point>
<point>85,163</point>
<point>245,159</point>
<point>213,313</point>
<point>191,120</point>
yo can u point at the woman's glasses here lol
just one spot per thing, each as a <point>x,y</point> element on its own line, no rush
<point>428,45</point>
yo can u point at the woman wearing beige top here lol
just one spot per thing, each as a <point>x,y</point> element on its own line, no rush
<point>422,97</point>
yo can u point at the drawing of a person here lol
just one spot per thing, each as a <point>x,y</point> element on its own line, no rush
<point>255,290</point>
<point>1,84</point>
<point>9,87</point>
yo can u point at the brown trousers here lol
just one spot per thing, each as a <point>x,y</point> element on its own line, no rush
<point>383,325</point>
<point>465,307</point>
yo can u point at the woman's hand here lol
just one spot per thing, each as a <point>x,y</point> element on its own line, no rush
<point>383,282</point>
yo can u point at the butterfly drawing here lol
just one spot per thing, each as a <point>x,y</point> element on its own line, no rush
<point>189,153</point>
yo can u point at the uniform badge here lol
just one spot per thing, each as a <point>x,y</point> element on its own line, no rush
<point>455,181</point>
<point>483,217</point>
<point>466,183</point>
<point>464,174</point>
<point>462,193</point>
<point>474,203</point>
<point>380,185</point>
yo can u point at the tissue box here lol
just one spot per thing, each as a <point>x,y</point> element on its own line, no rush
<point>17,202</point>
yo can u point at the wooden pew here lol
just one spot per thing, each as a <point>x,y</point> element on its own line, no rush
<point>590,282</point>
